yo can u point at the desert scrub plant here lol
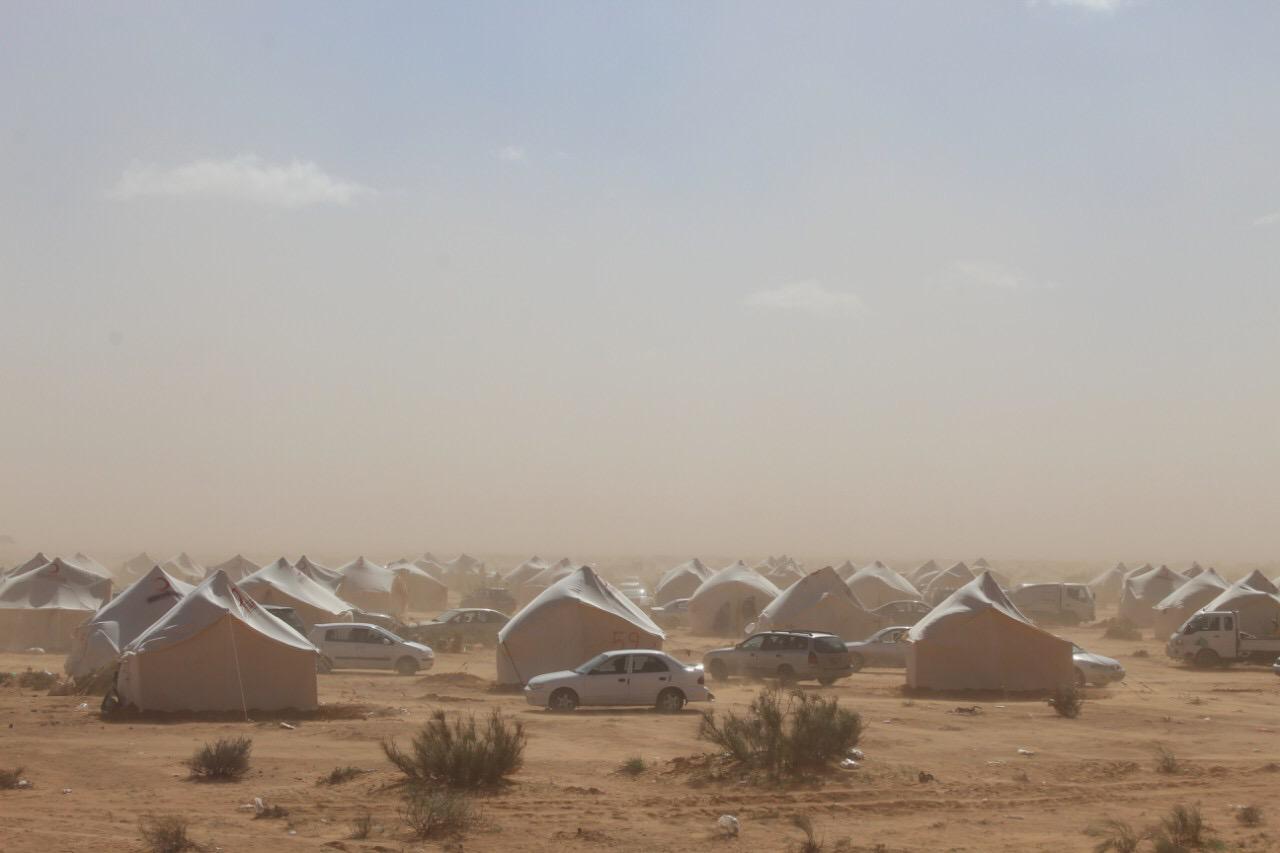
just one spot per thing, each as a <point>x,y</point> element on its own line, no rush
<point>362,827</point>
<point>1115,836</point>
<point>1067,701</point>
<point>165,834</point>
<point>435,812</point>
<point>459,752</point>
<point>1182,829</point>
<point>271,813</point>
<point>338,775</point>
<point>633,766</point>
<point>788,734</point>
<point>1166,761</point>
<point>37,679</point>
<point>1249,815</point>
<point>225,760</point>
<point>1122,629</point>
<point>10,777</point>
<point>811,842</point>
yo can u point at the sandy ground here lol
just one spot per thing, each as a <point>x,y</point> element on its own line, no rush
<point>570,794</point>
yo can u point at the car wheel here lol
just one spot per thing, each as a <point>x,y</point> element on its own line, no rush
<point>719,670</point>
<point>324,665</point>
<point>670,701</point>
<point>826,680</point>
<point>563,701</point>
<point>406,666</point>
<point>856,662</point>
<point>786,675</point>
<point>1080,679</point>
<point>1206,658</point>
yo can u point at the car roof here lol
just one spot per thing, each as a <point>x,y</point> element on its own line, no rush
<point>347,625</point>
<point>613,653</point>
<point>798,631</point>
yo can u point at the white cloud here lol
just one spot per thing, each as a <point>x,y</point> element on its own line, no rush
<point>996,277</point>
<point>1090,5</point>
<point>809,297</point>
<point>1272,218</point>
<point>511,154</point>
<point>245,178</point>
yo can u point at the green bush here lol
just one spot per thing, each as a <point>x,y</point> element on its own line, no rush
<point>460,753</point>
<point>225,760</point>
<point>788,734</point>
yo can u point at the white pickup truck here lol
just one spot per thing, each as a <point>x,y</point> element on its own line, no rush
<point>1055,603</point>
<point>1212,638</point>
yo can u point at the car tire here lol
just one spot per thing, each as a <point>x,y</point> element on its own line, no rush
<point>324,666</point>
<point>826,680</point>
<point>406,666</point>
<point>1081,681</point>
<point>563,701</point>
<point>1206,658</point>
<point>718,670</point>
<point>670,701</point>
<point>856,661</point>
<point>786,675</point>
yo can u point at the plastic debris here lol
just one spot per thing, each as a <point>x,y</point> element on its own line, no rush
<point>66,790</point>
<point>23,783</point>
<point>849,764</point>
<point>258,805</point>
<point>729,825</point>
<point>288,726</point>
<point>1022,750</point>
<point>857,754</point>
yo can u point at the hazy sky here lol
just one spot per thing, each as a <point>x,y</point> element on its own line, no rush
<point>869,278</point>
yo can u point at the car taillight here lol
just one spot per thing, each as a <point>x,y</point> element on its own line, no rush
<point>813,658</point>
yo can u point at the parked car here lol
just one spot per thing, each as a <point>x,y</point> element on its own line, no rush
<point>621,677</point>
<point>454,628</point>
<point>883,648</point>
<point>353,645</point>
<point>676,607</point>
<point>382,620</point>
<point>490,598</point>
<point>906,612</point>
<point>789,656</point>
<point>1098,670</point>
<point>1055,603</point>
<point>1214,638</point>
<point>1275,667</point>
<point>288,616</point>
<point>634,590</point>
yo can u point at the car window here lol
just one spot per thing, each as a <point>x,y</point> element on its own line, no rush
<point>772,643</point>
<point>828,644</point>
<point>1227,623</point>
<point>890,637</point>
<point>359,635</point>
<point>1213,624</point>
<point>648,663</point>
<point>754,643</point>
<point>799,644</point>
<point>482,616</point>
<point>612,666</point>
<point>336,635</point>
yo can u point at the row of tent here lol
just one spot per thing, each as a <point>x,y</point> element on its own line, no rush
<point>1162,599</point>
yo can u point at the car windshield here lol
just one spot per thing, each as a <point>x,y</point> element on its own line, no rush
<point>446,616</point>
<point>382,632</point>
<point>591,664</point>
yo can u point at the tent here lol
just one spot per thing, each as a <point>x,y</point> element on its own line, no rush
<point>784,576</point>
<point>89,564</point>
<point>570,622</point>
<point>532,588</point>
<point>461,568</point>
<point>1107,585</point>
<point>34,563</point>
<point>946,582</point>
<point>1259,611</point>
<point>820,601</point>
<point>99,641</point>
<point>976,639</point>
<point>681,581</point>
<point>1194,571</point>
<point>923,573</point>
<point>1144,591</point>
<point>318,573</point>
<point>372,587</point>
<point>524,572</point>
<point>184,568</point>
<point>875,585</point>
<point>426,592</point>
<point>217,650</point>
<point>237,568</point>
<point>1257,580</point>
<point>284,585</point>
<point>728,601</point>
<point>846,570</point>
<point>1178,606</point>
<point>136,567</point>
<point>43,606</point>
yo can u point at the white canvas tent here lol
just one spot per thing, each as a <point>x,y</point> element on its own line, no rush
<point>43,606</point>
<point>1181,604</point>
<point>846,570</point>
<point>1107,585</point>
<point>820,601</point>
<point>184,568</point>
<point>425,592</point>
<point>218,650</point>
<point>784,576</point>
<point>237,568</point>
<point>944,583</point>
<point>1257,580</point>
<point>875,585</point>
<point>729,600</point>
<point>36,561</point>
<point>1258,611</point>
<point>532,588</point>
<point>89,564</point>
<point>923,573</point>
<point>681,581</point>
<point>137,566</point>
<point>977,639</point>
<point>1144,591</point>
<point>570,622</point>
<point>1195,570</point>
<point>372,587</point>
<point>285,586</point>
<point>99,641</point>
<point>318,573</point>
<point>524,572</point>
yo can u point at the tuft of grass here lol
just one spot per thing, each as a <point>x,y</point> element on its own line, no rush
<point>272,813</point>
<point>1067,701</point>
<point>1142,653</point>
<point>1115,836</point>
<point>338,775</point>
<point>34,679</point>
<point>811,842</point>
<point>432,813</point>
<point>1183,828</point>
<point>1166,761</point>
<point>165,834</point>
<point>785,735</point>
<point>461,753</point>
<point>9,778</point>
<point>633,766</point>
<point>1249,815</point>
<point>1122,629</point>
<point>362,827</point>
<point>225,760</point>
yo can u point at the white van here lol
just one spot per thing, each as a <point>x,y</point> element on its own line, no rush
<point>360,645</point>
<point>1055,603</point>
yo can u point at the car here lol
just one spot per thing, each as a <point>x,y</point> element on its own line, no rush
<point>789,656</point>
<point>356,645</point>
<point>621,677</point>
<point>454,628</point>
<point>905,612</point>
<point>288,616</point>
<point>886,647</point>
<point>634,590</point>
<point>490,598</point>
<point>1098,670</point>
<point>676,607</point>
<point>382,620</point>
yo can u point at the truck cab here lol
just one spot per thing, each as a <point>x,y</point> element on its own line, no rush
<point>1214,637</point>
<point>1055,603</point>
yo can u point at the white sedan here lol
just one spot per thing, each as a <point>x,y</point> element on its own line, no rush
<point>622,677</point>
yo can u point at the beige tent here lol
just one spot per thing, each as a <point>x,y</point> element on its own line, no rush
<point>1143,592</point>
<point>543,580</point>
<point>1179,606</point>
<point>875,585</point>
<point>99,641</point>
<point>89,564</point>
<point>570,622</point>
<point>1195,570</point>
<point>284,585</point>
<point>820,601</point>
<point>1107,585</point>
<point>38,560</point>
<point>524,572</point>
<point>218,650</point>
<point>184,568</point>
<point>426,593</point>
<point>318,573</point>
<point>944,583</point>
<point>923,573</point>
<point>977,640</point>
<point>846,570</point>
<point>135,567</point>
<point>372,587</point>
<point>43,606</point>
<point>1259,611</point>
<point>681,581</point>
<point>784,576</point>
<point>1257,580</point>
<point>237,568</point>
<point>729,600</point>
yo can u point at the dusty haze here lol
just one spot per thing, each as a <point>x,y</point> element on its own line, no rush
<point>896,279</point>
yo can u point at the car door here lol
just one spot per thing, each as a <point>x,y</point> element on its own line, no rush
<point>374,647</point>
<point>760,658</point>
<point>890,651</point>
<point>339,648</point>
<point>650,675</point>
<point>607,683</point>
<point>743,659</point>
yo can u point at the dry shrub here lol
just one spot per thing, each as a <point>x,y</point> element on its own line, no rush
<point>1249,815</point>
<point>461,753</point>
<point>338,775</point>
<point>1115,836</point>
<point>633,766</point>
<point>1067,701</point>
<point>811,842</point>
<point>1166,761</point>
<point>1182,829</point>
<point>9,778</point>
<point>165,834</point>
<point>432,813</point>
<point>33,679</point>
<point>271,813</point>
<point>785,735</point>
<point>225,760</point>
<point>362,827</point>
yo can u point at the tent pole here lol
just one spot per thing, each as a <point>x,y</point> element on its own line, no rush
<point>236,655</point>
